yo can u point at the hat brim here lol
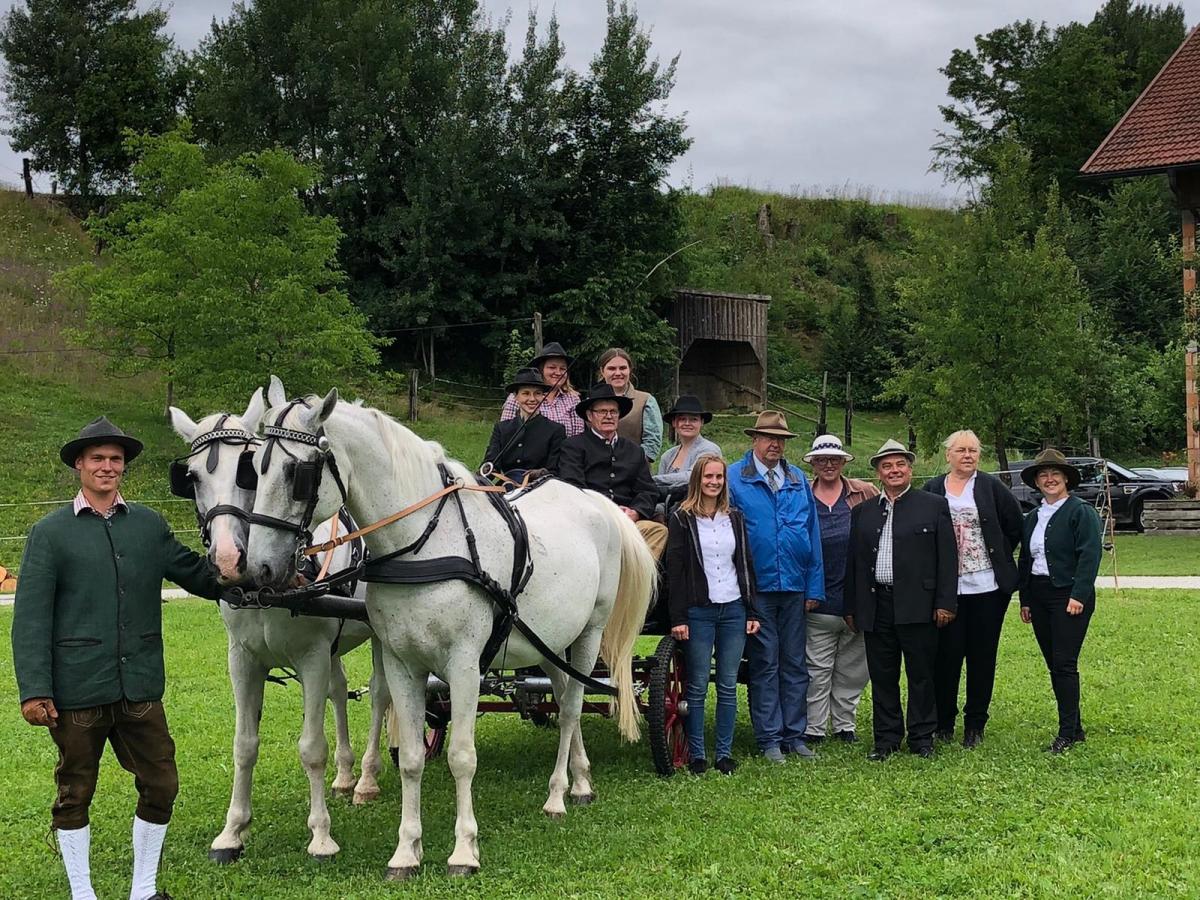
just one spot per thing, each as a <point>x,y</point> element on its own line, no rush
<point>71,449</point>
<point>538,361</point>
<point>813,454</point>
<point>1029,474</point>
<point>624,406</point>
<point>705,417</point>
<point>907,454</point>
<point>770,432</point>
<point>540,385</point>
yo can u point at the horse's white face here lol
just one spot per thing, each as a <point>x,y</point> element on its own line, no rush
<point>227,533</point>
<point>271,554</point>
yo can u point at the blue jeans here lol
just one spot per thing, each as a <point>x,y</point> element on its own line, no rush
<point>722,625</point>
<point>779,671</point>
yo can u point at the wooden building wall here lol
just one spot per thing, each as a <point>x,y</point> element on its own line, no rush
<point>722,348</point>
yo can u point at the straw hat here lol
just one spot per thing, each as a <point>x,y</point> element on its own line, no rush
<point>827,445</point>
<point>892,447</point>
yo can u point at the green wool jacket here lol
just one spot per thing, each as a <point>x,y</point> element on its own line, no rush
<point>87,620</point>
<point>1073,550</point>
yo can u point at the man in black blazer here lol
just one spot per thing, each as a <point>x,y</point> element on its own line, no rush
<point>901,586</point>
<point>601,460</point>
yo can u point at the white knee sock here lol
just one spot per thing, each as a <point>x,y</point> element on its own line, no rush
<point>75,844</point>
<point>147,850</point>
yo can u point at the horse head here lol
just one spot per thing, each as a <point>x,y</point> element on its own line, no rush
<point>209,476</point>
<point>298,485</point>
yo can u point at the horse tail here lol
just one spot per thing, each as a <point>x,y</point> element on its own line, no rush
<point>636,592</point>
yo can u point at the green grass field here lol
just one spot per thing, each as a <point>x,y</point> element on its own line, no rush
<point>1117,817</point>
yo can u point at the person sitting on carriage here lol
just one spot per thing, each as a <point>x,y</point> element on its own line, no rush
<point>529,443</point>
<point>554,366</point>
<point>686,419</point>
<point>603,461</point>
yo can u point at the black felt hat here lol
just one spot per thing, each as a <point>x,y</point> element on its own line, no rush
<point>527,378</point>
<point>688,405</point>
<point>552,349</point>
<point>99,431</point>
<point>604,391</point>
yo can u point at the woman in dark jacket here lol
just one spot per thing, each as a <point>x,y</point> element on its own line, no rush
<point>1060,558</point>
<point>529,442</point>
<point>711,588</point>
<point>987,526</point>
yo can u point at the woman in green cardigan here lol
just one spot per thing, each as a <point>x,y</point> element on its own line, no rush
<point>1060,558</point>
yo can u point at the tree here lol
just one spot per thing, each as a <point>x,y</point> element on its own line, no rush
<point>78,74</point>
<point>995,318</point>
<point>1057,93</point>
<point>217,274</point>
<point>862,335</point>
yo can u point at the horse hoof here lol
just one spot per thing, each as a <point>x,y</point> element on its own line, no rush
<point>225,855</point>
<point>583,799</point>
<point>462,871</point>
<point>402,873</point>
<point>321,857</point>
<point>554,816</point>
<point>343,791</point>
<point>365,797</point>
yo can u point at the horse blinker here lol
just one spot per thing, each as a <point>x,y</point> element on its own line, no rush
<point>183,483</point>
<point>246,478</point>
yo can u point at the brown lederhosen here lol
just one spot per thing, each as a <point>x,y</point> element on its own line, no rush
<point>139,738</point>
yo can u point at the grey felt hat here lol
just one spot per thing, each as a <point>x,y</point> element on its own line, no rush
<point>99,431</point>
<point>892,447</point>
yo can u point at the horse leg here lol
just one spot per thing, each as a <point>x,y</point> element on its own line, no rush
<point>343,750</point>
<point>367,788</point>
<point>314,751</point>
<point>407,688</point>
<point>248,678</point>
<point>464,702</point>
<point>582,791</point>
<point>570,738</point>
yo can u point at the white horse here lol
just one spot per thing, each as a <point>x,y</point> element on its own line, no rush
<point>593,581</point>
<point>262,639</point>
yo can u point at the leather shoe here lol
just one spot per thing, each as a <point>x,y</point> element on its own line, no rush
<point>698,766</point>
<point>774,754</point>
<point>946,735</point>
<point>972,738</point>
<point>925,752</point>
<point>813,738</point>
<point>879,754</point>
<point>846,737</point>
<point>725,765</point>
<point>801,750</point>
<point>1059,744</point>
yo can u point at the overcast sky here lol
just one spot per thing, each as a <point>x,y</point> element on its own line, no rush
<point>778,94</point>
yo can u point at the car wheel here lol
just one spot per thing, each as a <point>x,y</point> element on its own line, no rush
<point>1138,515</point>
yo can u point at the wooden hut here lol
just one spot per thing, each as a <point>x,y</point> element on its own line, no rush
<point>722,348</point>
<point>1160,135</point>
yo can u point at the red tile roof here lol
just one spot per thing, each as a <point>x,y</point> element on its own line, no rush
<point>1162,128</point>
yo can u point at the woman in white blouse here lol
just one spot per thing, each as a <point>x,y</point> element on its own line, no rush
<point>987,527</point>
<point>710,582</point>
<point>1060,558</point>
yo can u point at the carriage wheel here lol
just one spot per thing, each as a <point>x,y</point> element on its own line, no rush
<point>665,719</point>
<point>435,738</point>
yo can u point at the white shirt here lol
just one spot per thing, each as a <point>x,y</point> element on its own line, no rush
<point>975,573</point>
<point>763,469</point>
<point>717,545</point>
<point>884,573</point>
<point>1037,542</point>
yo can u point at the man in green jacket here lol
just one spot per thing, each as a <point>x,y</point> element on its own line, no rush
<point>88,651</point>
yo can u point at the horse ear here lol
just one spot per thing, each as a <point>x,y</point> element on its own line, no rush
<point>328,405</point>
<point>183,425</point>
<point>254,411</point>
<point>276,395</point>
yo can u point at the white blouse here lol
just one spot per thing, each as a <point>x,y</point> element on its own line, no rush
<point>717,545</point>
<point>975,573</point>
<point>1037,541</point>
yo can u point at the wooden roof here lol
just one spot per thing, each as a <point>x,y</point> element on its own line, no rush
<point>1161,130</point>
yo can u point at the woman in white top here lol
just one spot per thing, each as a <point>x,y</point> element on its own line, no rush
<point>1060,558</point>
<point>987,526</point>
<point>686,418</point>
<point>710,581</point>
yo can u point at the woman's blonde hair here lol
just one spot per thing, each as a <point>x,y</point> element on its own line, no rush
<point>962,435</point>
<point>691,503</point>
<point>608,356</point>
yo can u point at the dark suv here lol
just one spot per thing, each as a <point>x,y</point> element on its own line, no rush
<point>1128,490</point>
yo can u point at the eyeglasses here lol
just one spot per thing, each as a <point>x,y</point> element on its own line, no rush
<point>605,413</point>
<point>826,460</point>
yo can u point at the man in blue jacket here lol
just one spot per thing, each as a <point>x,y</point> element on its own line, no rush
<point>785,543</point>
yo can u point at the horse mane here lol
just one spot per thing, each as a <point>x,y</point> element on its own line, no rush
<point>413,457</point>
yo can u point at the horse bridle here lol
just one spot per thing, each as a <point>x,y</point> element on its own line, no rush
<point>183,482</point>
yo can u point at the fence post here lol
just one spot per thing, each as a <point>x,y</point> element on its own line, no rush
<point>823,415</point>
<point>28,176</point>
<point>849,413</point>
<point>537,334</point>
<point>413,375</point>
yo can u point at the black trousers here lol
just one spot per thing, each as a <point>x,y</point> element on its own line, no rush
<point>973,636</point>
<point>1060,637</point>
<point>888,644</point>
